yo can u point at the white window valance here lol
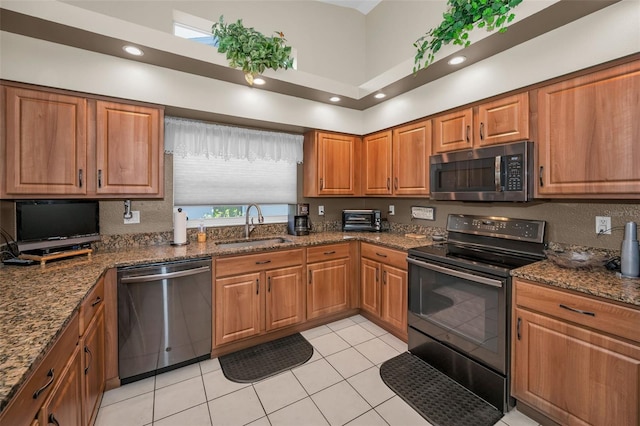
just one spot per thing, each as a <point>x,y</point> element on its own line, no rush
<point>184,137</point>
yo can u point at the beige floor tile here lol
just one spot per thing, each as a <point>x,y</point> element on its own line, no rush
<point>178,397</point>
<point>339,325</point>
<point>279,391</point>
<point>317,375</point>
<point>136,411</point>
<point>358,319</point>
<point>209,365</point>
<point>237,408</point>
<point>376,351</point>
<point>263,421</point>
<point>354,334</point>
<point>178,375</point>
<point>196,416</point>
<point>394,342</point>
<point>516,418</point>
<point>216,385</point>
<point>329,344</point>
<point>128,391</point>
<point>370,418</point>
<point>316,332</point>
<point>349,362</point>
<point>371,387</point>
<point>340,403</point>
<point>397,412</point>
<point>303,412</point>
<point>373,329</point>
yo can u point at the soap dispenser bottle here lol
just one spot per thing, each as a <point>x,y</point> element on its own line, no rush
<point>630,253</point>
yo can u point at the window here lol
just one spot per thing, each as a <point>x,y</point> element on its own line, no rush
<point>219,170</point>
<point>194,34</point>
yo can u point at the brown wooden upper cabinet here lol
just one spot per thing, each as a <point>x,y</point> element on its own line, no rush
<point>588,135</point>
<point>61,145</point>
<point>129,152</point>
<point>397,162</point>
<point>331,164</point>
<point>500,121</point>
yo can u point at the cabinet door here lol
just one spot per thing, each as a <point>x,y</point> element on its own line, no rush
<point>573,375</point>
<point>377,164</point>
<point>411,151</point>
<point>394,297</point>
<point>238,311</point>
<point>588,135</point>
<point>46,143</point>
<point>452,132</point>
<point>370,286</point>
<point>93,362</point>
<point>63,406</point>
<point>128,149</point>
<point>328,287</point>
<point>504,120</point>
<point>331,164</point>
<point>284,297</point>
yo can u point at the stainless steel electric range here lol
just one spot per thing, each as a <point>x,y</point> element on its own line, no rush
<point>460,300</point>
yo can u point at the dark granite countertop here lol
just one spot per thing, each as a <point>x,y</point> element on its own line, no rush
<point>598,282</point>
<point>36,303</point>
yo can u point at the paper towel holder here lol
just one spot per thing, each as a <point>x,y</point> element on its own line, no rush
<point>180,244</point>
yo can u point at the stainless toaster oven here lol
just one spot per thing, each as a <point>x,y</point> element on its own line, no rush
<point>361,220</point>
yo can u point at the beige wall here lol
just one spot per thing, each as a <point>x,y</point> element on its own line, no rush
<point>567,222</point>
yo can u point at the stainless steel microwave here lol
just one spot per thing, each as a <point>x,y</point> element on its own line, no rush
<point>361,220</point>
<point>493,173</point>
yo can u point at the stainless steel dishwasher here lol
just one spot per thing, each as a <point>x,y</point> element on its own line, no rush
<point>164,317</point>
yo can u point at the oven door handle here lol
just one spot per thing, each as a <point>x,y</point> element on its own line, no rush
<point>464,275</point>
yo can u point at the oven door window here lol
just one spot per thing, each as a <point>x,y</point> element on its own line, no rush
<point>461,310</point>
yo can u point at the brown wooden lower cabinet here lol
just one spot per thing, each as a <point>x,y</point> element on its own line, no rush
<point>93,371</point>
<point>63,406</point>
<point>267,296</point>
<point>328,280</point>
<point>384,286</point>
<point>573,374</point>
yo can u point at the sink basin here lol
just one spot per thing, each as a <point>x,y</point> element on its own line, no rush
<point>253,243</point>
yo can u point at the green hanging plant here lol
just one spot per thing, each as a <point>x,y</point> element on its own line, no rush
<point>250,50</point>
<point>461,17</point>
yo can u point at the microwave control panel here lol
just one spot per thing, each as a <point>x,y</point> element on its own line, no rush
<point>515,173</point>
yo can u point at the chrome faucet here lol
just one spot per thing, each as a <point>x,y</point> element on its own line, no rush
<point>248,228</point>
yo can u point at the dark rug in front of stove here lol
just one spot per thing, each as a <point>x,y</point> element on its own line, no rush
<point>267,359</point>
<point>439,399</point>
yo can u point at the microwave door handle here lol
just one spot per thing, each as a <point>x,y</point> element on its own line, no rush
<point>498,173</point>
<point>464,275</point>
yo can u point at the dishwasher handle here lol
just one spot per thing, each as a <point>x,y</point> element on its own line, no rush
<point>166,276</point>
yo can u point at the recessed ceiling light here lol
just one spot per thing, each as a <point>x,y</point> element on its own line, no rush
<point>334,99</point>
<point>132,50</point>
<point>259,81</point>
<point>456,60</point>
<point>379,95</point>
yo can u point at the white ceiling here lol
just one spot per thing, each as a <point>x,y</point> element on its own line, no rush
<point>362,6</point>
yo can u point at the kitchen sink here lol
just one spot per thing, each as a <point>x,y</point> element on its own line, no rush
<point>253,243</point>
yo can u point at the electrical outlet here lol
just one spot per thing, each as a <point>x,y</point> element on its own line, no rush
<point>320,210</point>
<point>392,210</point>
<point>135,218</point>
<point>603,225</point>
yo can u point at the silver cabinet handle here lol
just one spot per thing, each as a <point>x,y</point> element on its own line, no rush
<point>99,178</point>
<point>541,181</point>
<point>327,253</point>
<point>95,302</point>
<point>80,178</point>
<point>496,173</point>
<point>88,351</point>
<point>262,262</point>
<point>481,131</point>
<point>381,254</point>
<point>156,277</point>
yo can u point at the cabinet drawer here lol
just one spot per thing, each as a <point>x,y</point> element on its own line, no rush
<point>599,315</point>
<point>327,252</point>
<point>385,255</point>
<point>257,262</point>
<point>24,407</point>
<point>91,304</point>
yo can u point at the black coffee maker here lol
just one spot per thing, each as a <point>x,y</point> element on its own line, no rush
<point>299,222</point>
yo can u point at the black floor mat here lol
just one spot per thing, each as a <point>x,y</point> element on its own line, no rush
<point>267,359</point>
<point>439,399</point>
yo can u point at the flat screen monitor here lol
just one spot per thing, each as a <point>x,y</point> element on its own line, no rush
<point>52,224</point>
